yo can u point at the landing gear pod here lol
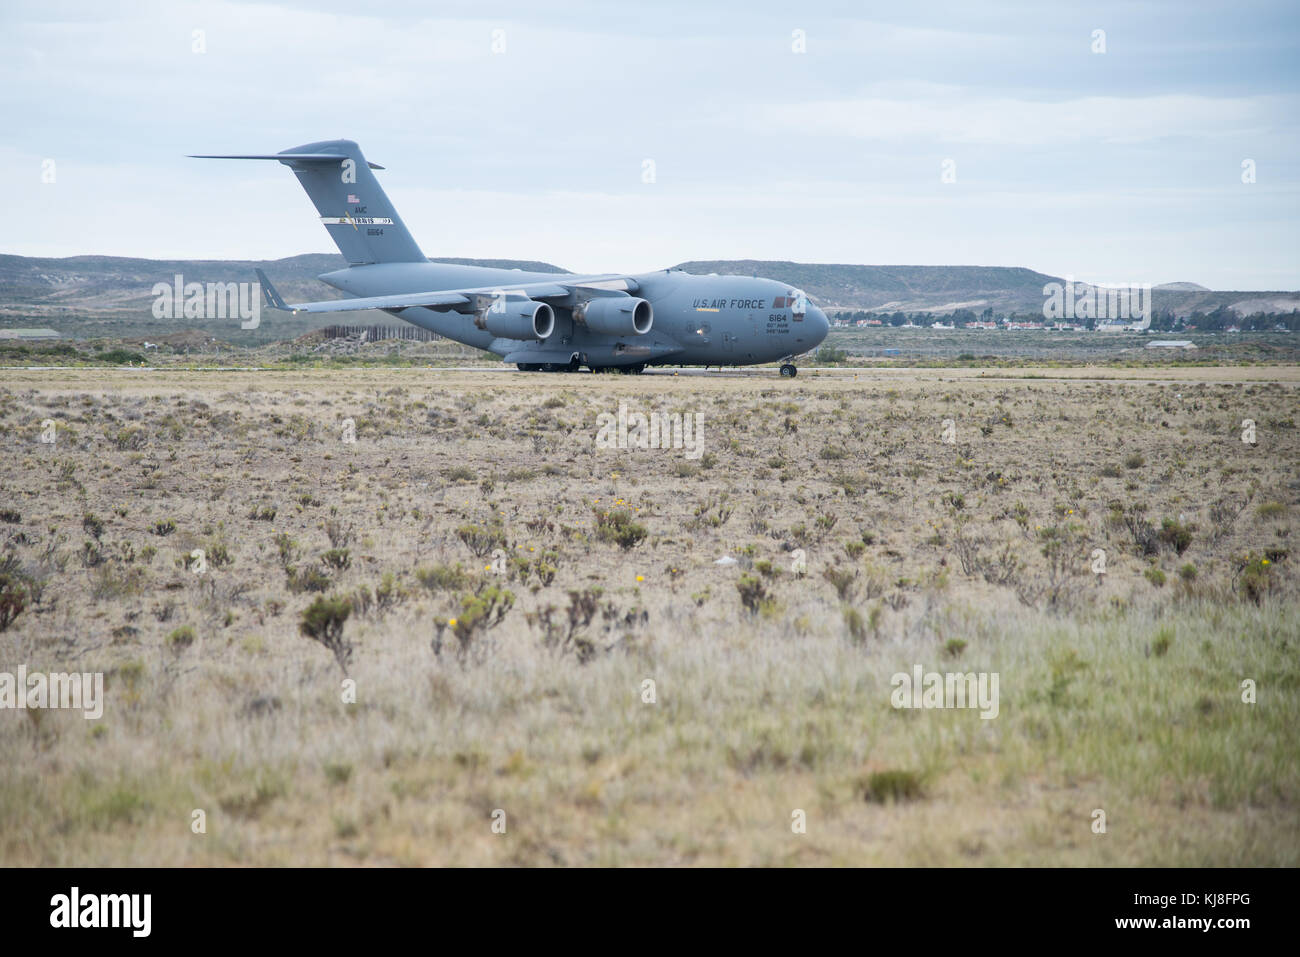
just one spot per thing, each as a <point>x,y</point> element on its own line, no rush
<point>615,315</point>
<point>516,317</point>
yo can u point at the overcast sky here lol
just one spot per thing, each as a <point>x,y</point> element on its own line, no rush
<point>1109,167</point>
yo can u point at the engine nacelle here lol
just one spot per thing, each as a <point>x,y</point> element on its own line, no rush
<point>516,317</point>
<point>615,315</point>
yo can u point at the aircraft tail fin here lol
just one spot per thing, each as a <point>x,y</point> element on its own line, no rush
<point>272,296</point>
<point>352,206</point>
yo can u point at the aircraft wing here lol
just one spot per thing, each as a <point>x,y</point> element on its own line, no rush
<point>558,288</point>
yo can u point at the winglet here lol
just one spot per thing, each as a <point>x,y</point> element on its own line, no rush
<point>273,299</point>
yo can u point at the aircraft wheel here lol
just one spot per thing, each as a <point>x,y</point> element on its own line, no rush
<point>526,367</point>
<point>789,371</point>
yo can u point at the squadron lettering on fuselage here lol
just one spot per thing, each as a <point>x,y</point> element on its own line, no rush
<point>347,219</point>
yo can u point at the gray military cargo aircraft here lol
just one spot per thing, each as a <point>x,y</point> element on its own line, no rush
<point>540,321</point>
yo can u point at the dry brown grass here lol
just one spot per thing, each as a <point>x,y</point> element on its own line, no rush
<point>1119,693</point>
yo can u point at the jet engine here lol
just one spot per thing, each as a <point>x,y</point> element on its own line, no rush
<point>516,317</point>
<point>615,315</point>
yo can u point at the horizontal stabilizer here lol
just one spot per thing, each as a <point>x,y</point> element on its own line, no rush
<point>282,157</point>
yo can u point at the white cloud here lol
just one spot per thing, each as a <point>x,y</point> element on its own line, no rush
<point>1123,165</point>
<point>956,118</point>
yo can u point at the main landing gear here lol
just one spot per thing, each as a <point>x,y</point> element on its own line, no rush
<point>624,370</point>
<point>789,371</point>
<point>571,366</point>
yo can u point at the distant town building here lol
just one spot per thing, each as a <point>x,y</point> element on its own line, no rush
<point>1171,344</point>
<point>30,335</point>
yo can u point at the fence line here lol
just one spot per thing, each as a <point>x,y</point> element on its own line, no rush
<point>376,333</point>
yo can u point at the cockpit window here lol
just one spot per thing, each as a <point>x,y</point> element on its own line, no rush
<point>798,303</point>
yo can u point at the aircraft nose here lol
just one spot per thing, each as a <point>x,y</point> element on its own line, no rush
<point>820,324</point>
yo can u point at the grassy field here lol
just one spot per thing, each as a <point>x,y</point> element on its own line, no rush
<point>510,624</point>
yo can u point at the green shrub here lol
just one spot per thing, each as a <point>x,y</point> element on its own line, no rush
<point>323,621</point>
<point>388,592</point>
<point>753,595</point>
<point>130,438</point>
<point>310,578</point>
<point>338,773</point>
<point>1255,579</point>
<point>181,638</point>
<point>442,577</point>
<point>1174,534</point>
<point>338,559</point>
<point>478,613</point>
<point>14,591</point>
<point>618,527</point>
<point>218,554</point>
<point>1268,510</point>
<point>121,357</point>
<point>93,525</point>
<point>482,540</point>
<point>888,787</point>
<point>843,580</point>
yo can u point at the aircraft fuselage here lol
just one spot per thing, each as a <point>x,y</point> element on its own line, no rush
<point>705,320</point>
